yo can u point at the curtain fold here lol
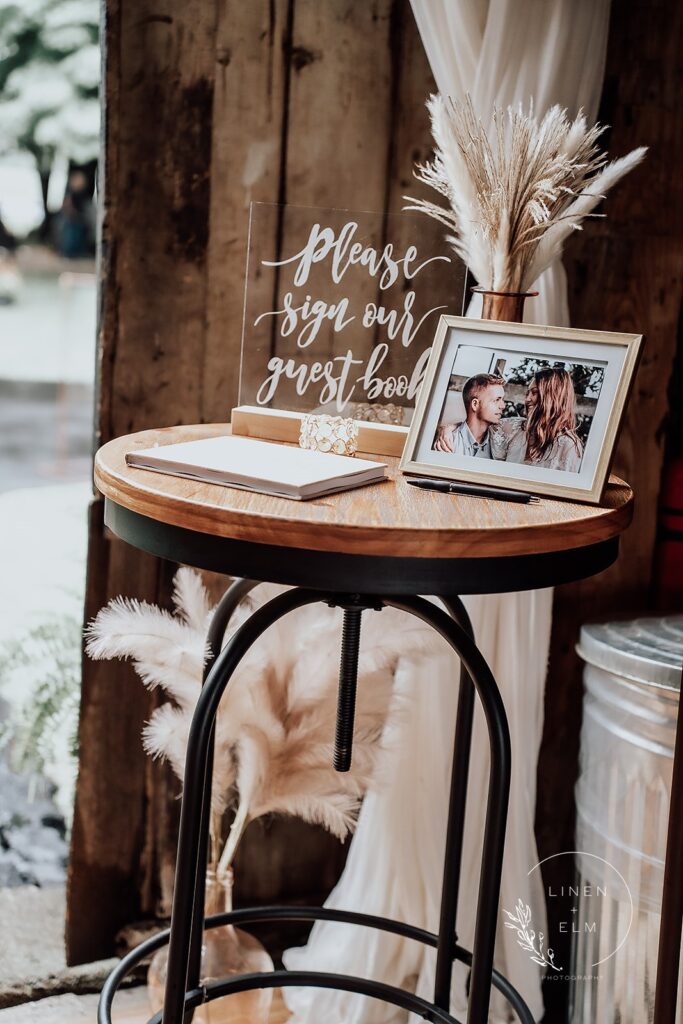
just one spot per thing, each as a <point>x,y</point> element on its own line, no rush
<point>501,52</point>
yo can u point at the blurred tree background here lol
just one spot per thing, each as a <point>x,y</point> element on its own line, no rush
<point>49,146</point>
<point>587,379</point>
<point>49,80</point>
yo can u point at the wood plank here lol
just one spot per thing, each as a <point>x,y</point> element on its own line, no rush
<point>155,195</point>
<point>274,425</point>
<point>338,135</point>
<point>107,864</point>
<point>411,144</point>
<point>253,62</point>
<point>390,518</point>
<point>340,97</point>
<point>158,227</point>
<point>411,139</point>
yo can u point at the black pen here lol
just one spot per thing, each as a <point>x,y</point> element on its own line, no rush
<point>477,491</point>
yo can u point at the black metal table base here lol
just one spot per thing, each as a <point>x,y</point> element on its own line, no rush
<point>184,991</point>
<point>313,979</point>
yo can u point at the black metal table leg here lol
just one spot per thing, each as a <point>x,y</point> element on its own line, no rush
<point>184,990</point>
<point>496,807</point>
<point>455,828</point>
<point>220,620</point>
<point>196,780</point>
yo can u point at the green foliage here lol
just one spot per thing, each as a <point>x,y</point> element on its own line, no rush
<point>586,378</point>
<point>45,667</point>
<point>49,77</point>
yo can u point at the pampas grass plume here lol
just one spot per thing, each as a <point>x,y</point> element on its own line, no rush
<point>275,725</point>
<point>515,193</point>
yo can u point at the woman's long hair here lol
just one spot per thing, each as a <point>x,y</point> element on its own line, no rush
<point>554,413</point>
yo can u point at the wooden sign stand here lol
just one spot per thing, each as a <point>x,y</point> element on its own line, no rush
<point>281,425</point>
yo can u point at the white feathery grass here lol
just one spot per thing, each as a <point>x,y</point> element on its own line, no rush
<point>276,722</point>
<point>551,243</point>
<point>165,736</point>
<point>514,193</point>
<point>166,650</point>
<point>190,598</point>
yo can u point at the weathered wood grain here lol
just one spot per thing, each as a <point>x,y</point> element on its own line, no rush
<point>252,69</point>
<point>410,144</point>
<point>339,105</point>
<point>155,189</point>
<point>164,87</point>
<point>338,122</point>
<point>107,868</point>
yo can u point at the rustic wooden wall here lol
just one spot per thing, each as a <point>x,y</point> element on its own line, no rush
<point>211,103</point>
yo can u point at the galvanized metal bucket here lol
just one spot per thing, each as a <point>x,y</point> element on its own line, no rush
<point>632,681</point>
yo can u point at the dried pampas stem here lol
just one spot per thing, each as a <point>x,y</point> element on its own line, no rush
<point>514,197</point>
<point>237,828</point>
<point>275,726</point>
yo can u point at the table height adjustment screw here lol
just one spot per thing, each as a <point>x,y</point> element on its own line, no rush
<point>346,700</point>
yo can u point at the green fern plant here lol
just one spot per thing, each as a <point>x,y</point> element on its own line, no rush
<point>40,672</point>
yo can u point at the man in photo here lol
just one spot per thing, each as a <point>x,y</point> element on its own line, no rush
<point>484,398</point>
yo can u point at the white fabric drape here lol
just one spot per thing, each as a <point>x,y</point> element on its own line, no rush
<point>501,52</point>
<point>505,52</point>
<point>396,858</point>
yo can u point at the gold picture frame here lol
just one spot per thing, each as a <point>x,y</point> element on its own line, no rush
<point>575,464</point>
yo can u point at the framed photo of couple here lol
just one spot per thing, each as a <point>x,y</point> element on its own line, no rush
<point>521,406</point>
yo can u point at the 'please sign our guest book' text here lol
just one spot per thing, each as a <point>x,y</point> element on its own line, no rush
<point>341,308</point>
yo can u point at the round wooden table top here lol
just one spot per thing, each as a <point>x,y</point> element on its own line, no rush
<point>385,519</point>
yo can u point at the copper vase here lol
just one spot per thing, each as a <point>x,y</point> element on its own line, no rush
<point>503,305</point>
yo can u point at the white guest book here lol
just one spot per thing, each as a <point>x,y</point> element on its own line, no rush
<point>277,469</point>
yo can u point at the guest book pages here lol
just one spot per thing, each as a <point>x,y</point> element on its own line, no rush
<point>260,466</point>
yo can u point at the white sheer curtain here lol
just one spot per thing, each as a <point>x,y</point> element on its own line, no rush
<point>506,52</point>
<point>501,52</point>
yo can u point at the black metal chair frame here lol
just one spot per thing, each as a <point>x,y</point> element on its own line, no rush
<point>184,991</point>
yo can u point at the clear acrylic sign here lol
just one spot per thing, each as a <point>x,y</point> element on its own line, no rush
<point>341,308</point>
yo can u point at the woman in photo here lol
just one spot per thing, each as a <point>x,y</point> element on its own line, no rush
<point>546,436</point>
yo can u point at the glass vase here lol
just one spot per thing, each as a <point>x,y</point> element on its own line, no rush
<point>226,951</point>
<point>503,305</point>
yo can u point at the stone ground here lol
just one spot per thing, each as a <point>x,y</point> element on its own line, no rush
<point>33,848</point>
<point>32,949</point>
<point>38,988</point>
<point>130,1007</point>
